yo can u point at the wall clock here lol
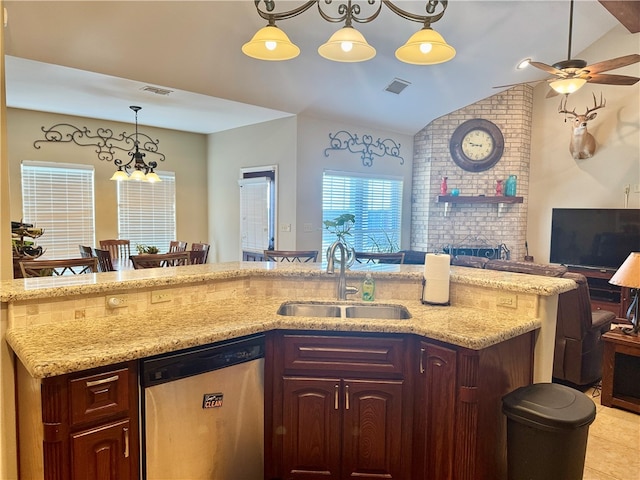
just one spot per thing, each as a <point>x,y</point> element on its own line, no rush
<point>476,145</point>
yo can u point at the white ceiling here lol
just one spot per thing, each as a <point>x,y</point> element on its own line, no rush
<point>91,59</point>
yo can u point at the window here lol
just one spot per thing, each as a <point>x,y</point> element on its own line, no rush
<point>376,203</point>
<point>58,197</point>
<point>257,209</point>
<point>147,211</point>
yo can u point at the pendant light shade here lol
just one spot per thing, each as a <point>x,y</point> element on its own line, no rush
<point>152,177</point>
<point>425,47</point>
<point>270,43</point>
<point>567,85</point>
<point>119,175</point>
<point>137,175</point>
<point>347,45</point>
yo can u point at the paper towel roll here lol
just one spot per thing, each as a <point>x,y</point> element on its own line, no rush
<point>436,275</point>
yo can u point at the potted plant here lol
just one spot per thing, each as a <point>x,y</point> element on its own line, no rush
<point>341,227</point>
<point>142,249</point>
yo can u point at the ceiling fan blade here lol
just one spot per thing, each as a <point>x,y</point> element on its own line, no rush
<point>613,63</point>
<point>612,79</point>
<point>547,68</point>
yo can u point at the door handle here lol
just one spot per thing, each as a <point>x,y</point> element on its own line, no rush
<point>103,381</point>
<point>125,433</point>
<point>346,397</point>
<point>336,400</point>
<point>422,350</point>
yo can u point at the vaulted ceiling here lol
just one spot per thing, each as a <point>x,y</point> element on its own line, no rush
<point>94,58</point>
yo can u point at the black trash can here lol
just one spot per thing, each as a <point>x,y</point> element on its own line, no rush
<point>547,429</point>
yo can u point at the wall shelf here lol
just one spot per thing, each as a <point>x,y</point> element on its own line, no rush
<point>499,200</point>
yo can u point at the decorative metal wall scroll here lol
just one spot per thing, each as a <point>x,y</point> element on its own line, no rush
<point>108,146</point>
<point>367,148</point>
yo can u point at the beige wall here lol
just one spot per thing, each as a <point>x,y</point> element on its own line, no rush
<point>185,155</point>
<point>556,179</point>
<point>264,144</point>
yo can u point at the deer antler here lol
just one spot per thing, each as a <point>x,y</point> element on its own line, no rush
<point>595,104</point>
<point>563,108</point>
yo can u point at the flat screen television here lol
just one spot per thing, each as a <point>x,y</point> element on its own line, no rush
<point>594,237</point>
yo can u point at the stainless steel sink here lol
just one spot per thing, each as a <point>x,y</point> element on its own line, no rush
<point>309,310</point>
<point>392,312</point>
<point>334,310</point>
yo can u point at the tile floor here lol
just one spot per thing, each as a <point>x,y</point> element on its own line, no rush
<point>613,446</point>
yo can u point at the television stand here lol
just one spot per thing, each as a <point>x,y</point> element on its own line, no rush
<point>605,296</point>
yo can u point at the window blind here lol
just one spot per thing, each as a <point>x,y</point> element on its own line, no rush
<point>376,203</point>
<point>59,198</point>
<point>147,212</point>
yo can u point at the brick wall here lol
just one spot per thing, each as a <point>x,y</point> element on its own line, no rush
<point>511,111</point>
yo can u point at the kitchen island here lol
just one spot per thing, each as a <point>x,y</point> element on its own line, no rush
<point>61,326</point>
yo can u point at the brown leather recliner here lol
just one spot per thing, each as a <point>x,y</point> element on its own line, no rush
<point>579,346</point>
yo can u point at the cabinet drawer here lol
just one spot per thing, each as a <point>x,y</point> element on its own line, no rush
<point>99,395</point>
<point>303,353</point>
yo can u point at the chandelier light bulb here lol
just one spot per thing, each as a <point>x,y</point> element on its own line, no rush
<point>425,47</point>
<point>346,46</point>
<point>270,45</point>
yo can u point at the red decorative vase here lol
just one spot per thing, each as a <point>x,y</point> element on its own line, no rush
<point>443,186</point>
<point>498,188</point>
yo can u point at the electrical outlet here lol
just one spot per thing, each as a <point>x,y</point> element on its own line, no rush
<point>307,227</point>
<point>636,188</point>
<point>160,297</point>
<point>285,227</point>
<point>117,301</point>
<point>507,300</point>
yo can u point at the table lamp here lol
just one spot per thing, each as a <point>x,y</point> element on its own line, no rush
<point>628,275</point>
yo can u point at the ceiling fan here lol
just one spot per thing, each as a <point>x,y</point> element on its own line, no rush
<point>571,74</point>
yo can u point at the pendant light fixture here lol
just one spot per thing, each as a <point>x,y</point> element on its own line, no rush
<point>426,47</point>
<point>141,171</point>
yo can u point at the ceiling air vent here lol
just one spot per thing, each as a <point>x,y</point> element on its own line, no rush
<point>156,90</point>
<point>397,86</point>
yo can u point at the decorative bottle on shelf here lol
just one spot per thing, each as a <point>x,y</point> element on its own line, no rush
<point>510,186</point>
<point>443,186</point>
<point>499,191</point>
<point>368,288</point>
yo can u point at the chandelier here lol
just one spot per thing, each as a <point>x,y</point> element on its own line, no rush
<point>141,171</point>
<point>425,47</point>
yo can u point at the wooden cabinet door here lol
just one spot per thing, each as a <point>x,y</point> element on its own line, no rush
<point>435,412</point>
<point>311,428</point>
<point>102,453</point>
<point>372,429</point>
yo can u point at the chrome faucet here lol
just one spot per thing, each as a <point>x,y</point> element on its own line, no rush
<point>342,289</point>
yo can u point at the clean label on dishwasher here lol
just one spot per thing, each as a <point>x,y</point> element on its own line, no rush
<point>212,400</point>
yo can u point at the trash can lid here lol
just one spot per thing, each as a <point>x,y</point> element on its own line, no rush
<point>549,406</point>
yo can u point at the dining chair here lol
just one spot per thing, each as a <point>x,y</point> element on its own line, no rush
<point>105,264</point>
<point>302,256</point>
<point>201,246</point>
<point>155,260</point>
<point>371,257</point>
<point>67,266</point>
<point>85,252</point>
<point>198,257</point>
<point>177,246</point>
<point>118,249</point>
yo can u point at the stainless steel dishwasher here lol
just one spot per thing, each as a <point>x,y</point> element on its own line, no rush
<point>203,412</point>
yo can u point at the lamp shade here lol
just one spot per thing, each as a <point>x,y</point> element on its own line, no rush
<point>137,175</point>
<point>628,275</point>
<point>270,43</point>
<point>425,47</point>
<point>152,177</point>
<point>567,85</point>
<point>347,45</point>
<point>119,175</point>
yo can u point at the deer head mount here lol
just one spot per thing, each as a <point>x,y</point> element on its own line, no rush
<point>582,145</point>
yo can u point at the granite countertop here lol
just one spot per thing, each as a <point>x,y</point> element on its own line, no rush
<point>52,287</point>
<point>82,344</point>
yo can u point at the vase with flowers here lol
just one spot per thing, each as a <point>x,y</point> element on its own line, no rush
<point>341,227</point>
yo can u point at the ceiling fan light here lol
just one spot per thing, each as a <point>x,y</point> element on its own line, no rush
<point>270,43</point>
<point>347,45</point>
<point>119,175</point>
<point>425,47</point>
<point>567,85</point>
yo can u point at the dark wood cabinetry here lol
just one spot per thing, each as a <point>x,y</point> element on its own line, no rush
<point>82,425</point>
<point>605,296</point>
<point>343,404</point>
